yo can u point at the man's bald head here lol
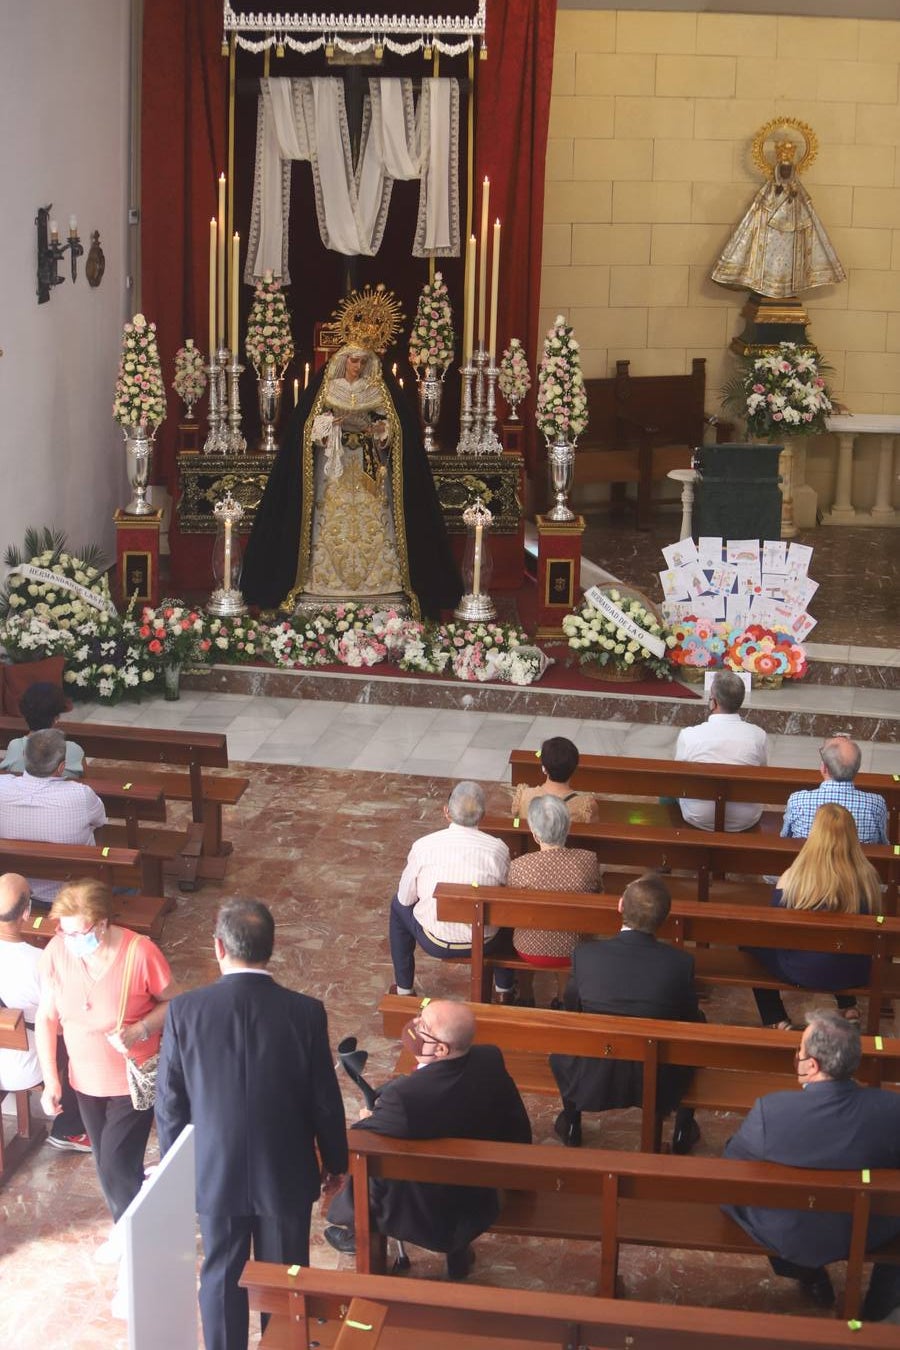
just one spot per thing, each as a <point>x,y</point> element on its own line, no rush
<point>453,1024</point>
<point>15,897</point>
<point>840,759</point>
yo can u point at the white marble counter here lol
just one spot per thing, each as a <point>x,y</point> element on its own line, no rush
<point>847,426</point>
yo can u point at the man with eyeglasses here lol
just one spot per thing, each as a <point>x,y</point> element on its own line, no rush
<point>840,764</point>
<point>457,1091</point>
<point>831,1123</point>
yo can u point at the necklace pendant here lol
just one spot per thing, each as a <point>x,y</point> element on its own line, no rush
<point>87,1005</point>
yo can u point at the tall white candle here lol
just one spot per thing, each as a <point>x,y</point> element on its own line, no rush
<point>495,285</point>
<point>476,571</point>
<point>306,376</point>
<point>220,289</point>
<point>296,392</point>
<point>227,578</point>
<point>235,281</point>
<point>469,315</point>
<point>482,258</point>
<point>212,291</point>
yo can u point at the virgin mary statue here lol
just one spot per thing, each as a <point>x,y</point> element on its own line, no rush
<point>350,511</point>
<point>780,246</point>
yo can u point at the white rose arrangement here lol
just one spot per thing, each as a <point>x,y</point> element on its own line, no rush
<point>561,400</point>
<point>269,340</point>
<point>140,395</point>
<point>431,341</point>
<point>600,640</point>
<point>190,375</point>
<point>514,379</point>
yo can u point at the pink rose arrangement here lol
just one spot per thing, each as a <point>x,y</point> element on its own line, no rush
<point>269,340</point>
<point>561,400</point>
<point>431,341</point>
<point>140,396</point>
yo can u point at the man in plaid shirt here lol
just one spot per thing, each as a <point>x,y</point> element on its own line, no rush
<point>840,764</point>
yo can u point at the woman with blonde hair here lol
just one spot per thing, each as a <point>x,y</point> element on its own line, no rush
<point>832,874</point>
<point>107,989</point>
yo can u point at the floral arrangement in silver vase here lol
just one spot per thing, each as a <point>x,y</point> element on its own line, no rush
<point>269,340</point>
<point>431,341</point>
<point>140,397</point>
<point>561,400</point>
<point>514,379</point>
<point>190,375</point>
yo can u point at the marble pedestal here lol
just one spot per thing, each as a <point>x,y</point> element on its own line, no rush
<point>847,427</point>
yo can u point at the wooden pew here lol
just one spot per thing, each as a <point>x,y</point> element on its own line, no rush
<point>29,1135</point>
<point>733,1066</point>
<point>619,1199</point>
<point>311,1307</point>
<point>72,862</point>
<point>705,853</point>
<point>620,776</point>
<point>727,928</point>
<point>196,751</point>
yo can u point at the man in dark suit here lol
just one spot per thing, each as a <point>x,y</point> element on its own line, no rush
<point>249,1064</point>
<point>832,1122</point>
<point>458,1091</point>
<point>629,975</point>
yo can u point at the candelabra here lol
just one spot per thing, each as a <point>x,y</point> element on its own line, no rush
<point>50,252</point>
<point>478,413</point>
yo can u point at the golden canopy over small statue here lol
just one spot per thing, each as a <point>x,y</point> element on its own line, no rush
<point>780,247</point>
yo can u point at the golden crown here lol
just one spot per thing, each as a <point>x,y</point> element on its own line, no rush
<point>368,318</point>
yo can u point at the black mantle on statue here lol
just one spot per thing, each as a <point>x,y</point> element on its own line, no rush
<point>270,561</point>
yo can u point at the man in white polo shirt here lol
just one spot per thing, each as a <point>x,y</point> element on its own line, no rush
<point>724,738</point>
<point>461,852</point>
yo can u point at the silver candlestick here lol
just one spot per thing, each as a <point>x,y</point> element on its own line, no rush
<point>467,444</point>
<point>217,440</point>
<point>490,444</point>
<point>236,443</point>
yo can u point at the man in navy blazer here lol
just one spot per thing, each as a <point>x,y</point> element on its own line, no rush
<point>832,1122</point>
<point>248,1063</point>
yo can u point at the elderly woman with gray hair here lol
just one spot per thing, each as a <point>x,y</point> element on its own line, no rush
<point>553,868</point>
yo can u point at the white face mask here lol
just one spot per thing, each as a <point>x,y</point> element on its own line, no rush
<point>82,944</point>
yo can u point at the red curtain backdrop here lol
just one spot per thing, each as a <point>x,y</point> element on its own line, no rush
<point>512,115</point>
<point>183,127</point>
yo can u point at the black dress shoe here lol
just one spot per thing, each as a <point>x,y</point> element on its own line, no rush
<point>341,1239</point>
<point>568,1128</point>
<point>505,996</point>
<point>685,1135</point>
<point>819,1288</point>
<point>459,1263</point>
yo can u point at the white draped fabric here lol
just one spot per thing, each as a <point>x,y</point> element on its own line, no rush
<point>306,119</point>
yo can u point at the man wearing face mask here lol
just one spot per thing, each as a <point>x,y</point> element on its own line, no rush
<point>457,1091</point>
<point>832,1123</point>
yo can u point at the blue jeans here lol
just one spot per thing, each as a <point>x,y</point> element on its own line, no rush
<point>405,931</point>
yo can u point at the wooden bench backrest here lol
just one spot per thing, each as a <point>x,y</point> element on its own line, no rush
<point>145,745</point>
<point>621,776</point>
<point>616,1182</point>
<point>699,851</point>
<point>650,1040</point>
<point>13,1034</point>
<point>69,862</point>
<point>673,404</point>
<point>438,1316</point>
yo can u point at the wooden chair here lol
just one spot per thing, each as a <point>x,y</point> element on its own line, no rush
<point>28,1135</point>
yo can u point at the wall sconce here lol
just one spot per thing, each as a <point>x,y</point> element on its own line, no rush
<point>50,252</point>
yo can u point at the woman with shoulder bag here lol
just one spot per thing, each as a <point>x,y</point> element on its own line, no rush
<point>107,988</point>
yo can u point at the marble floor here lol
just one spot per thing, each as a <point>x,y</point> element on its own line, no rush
<point>338,793</point>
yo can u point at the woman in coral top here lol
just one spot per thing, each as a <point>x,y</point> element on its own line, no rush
<point>82,972</point>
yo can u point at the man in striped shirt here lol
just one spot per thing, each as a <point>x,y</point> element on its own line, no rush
<point>840,764</point>
<point>461,852</point>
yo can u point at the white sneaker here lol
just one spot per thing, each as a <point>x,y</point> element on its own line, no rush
<point>110,1252</point>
